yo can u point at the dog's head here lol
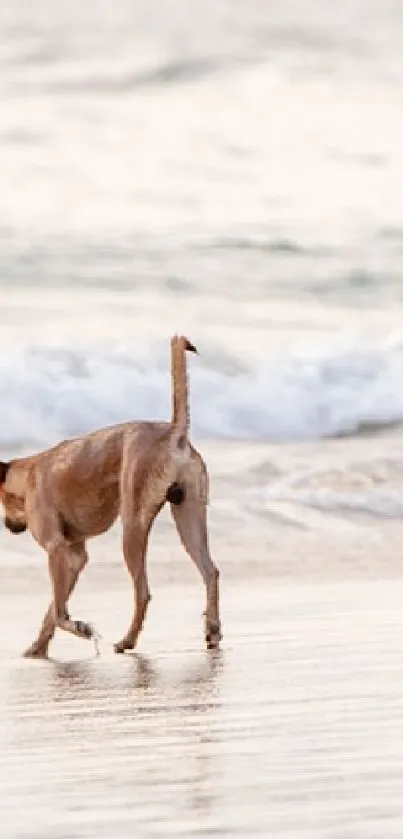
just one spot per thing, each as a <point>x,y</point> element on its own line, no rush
<point>12,500</point>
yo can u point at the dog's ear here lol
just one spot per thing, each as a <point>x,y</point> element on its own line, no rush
<point>4,467</point>
<point>190,347</point>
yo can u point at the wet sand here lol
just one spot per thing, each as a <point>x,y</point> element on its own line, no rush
<point>293,729</point>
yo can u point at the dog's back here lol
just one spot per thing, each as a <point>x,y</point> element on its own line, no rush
<point>83,475</point>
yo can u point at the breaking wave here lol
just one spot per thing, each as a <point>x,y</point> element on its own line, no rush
<point>48,393</point>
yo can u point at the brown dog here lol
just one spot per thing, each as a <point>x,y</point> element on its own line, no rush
<point>75,490</point>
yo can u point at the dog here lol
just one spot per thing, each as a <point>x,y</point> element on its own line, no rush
<point>76,490</point>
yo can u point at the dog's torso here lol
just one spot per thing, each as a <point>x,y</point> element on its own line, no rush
<point>81,478</point>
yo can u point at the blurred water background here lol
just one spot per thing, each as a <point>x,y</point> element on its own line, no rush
<point>227,169</point>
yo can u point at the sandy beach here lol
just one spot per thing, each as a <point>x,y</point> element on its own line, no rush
<point>293,729</point>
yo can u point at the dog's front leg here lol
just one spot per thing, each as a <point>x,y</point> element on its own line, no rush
<point>59,555</point>
<point>78,558</point>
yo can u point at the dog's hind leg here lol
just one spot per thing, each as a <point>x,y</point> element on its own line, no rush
<point>77,561</point>
<point>190,517</point>
<point>135,539</point>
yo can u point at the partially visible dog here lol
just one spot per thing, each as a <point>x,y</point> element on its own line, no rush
<point>76,490</point>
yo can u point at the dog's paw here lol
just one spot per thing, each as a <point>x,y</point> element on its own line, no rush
<point>35,652</point>
<point>213,635</point>
<point>122,646</point>
<point>84,630</point>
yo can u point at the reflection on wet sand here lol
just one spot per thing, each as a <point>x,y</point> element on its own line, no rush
<point>292,730</point>
<point>126,730</point>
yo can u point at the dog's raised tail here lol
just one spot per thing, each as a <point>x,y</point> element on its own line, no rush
<point>180,401</point>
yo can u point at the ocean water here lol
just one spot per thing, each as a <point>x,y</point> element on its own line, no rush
<point>227,171</point>
<point>231,171</point>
